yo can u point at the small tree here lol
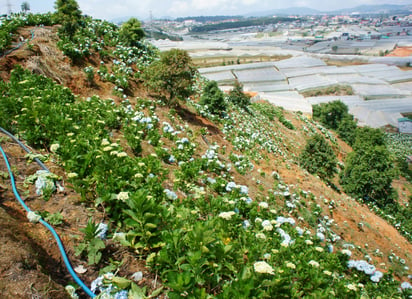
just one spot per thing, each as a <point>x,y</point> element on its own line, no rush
<point>69,15</point>
<point>368,174</point>
<point>213,98</point>
<point>368,137</point>
<point>330,114</point>
<point>172,77</point>
<point>347,130</point>
<point>131,32</point>
<point>25,7</point>
<point>238,97</point>
<point>318,157</point>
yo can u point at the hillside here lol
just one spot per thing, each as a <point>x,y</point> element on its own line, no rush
<point>196,205</point>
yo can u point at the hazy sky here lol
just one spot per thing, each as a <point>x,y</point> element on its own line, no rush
<point>109,9</point>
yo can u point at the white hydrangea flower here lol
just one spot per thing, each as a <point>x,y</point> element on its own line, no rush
<point>227,215</point>
<point>314,263</point>
<point>122,196</point>
<point>72,175</point>
<point>54,147</point>
<point>263,267</point>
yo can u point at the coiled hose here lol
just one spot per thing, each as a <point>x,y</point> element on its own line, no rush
<point>48,226</point>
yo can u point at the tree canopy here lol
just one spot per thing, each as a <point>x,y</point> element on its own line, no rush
<point>213,98</point>
<point>368,174</point>
<point>238,97</point>
<point>172,76</point>
<point>318,157</point>
<point>69,15</point>
<point>335,115</point>
<point>131,32</point>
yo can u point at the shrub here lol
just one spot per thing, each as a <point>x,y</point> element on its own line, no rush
<point>172,77</point>
<point>131,32</point>
<point>368,174</point>
<point>318,157</point>
<point>238,97</point>
<point>213,98</point>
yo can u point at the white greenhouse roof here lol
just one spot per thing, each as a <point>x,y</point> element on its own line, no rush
<point>259,75</point>
<point>299,62</point>
<point>311,82</point>
<point>289,101</point>
<point>378,91</point>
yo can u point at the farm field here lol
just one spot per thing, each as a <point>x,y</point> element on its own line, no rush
<point>160,185</point>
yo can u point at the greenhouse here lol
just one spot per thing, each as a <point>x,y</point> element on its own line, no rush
<point>263,75</point>
<point>304,83</point>
<point>374,118</point>
<point>381,91</point>
<point>378,91</point>
<point>291,101</point>
<point>299,62</point>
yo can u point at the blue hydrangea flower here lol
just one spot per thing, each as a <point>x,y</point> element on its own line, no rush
<point>102,230</point>
<point>121,295</point>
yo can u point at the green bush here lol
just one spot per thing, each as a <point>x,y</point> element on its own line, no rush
<point>131,32</point>
<point>368,174</point>
<point>213,98</point>
<point>238,97</point>
<point>172,77</point>
<point>318,157</point>
<point>335,116</point>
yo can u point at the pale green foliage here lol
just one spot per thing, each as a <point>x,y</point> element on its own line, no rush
<point>131,32</point>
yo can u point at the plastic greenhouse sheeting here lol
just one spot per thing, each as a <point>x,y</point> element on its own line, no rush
<point>311,82</point>
<point>271,87</point>
<point>248,66</point>
<point>297,72</point>
<point>355,79</point>
<point>259,75</point>
<point>221,77</point>
<point>347,100</point>
<point>299,62</point>
<point>289,101</point>
<point>393,75</point>
<point>404,86</point>
<point>374,118</point>
<point>389,105</point>
<point>378,91</point>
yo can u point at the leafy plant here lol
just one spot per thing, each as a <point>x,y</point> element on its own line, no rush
<point>131,32</point>
<point>238,97</point>
<point>368,174</point>
<point>213,98</point>
<point>318,157</point>
<point>92,245</point>
<point>172,77</point>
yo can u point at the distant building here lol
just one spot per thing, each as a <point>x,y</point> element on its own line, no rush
<point>405,125</point>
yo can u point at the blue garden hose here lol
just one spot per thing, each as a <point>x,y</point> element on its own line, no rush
<point>50,228</point>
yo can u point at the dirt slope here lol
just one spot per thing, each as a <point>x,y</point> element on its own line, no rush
<point>30,264</point>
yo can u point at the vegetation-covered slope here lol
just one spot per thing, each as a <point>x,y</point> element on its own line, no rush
<point>203,205</point>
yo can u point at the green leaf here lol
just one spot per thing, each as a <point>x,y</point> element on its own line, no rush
<point>150,225</point>
<point>137,292</point>
<point>156,292</point>
<point>79,249</point>
<point>121,282</point>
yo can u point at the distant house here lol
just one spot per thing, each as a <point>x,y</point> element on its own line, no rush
<point>405,125</point>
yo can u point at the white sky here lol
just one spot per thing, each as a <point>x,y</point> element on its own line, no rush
<point>110,9</point>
